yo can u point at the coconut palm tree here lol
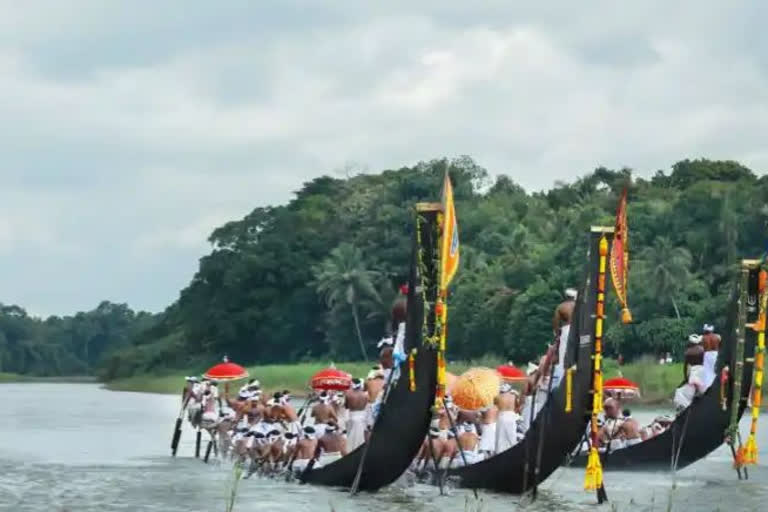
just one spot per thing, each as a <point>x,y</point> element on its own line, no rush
<point>342,278</point>
<point>665,268</point>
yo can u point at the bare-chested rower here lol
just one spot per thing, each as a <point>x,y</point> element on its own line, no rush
<point>306,449</point>
<point>488,420</point>
<point>710,342</point>
<point>507,404</point>
<point>332,444</point>
<point>468,443</point>
<point>630,429</point>
<point>356,402</point>
<point>431,450</point>
<point>323,413</point>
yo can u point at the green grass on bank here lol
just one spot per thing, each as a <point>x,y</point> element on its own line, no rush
<point>293,377</point>
<point>7,378</point>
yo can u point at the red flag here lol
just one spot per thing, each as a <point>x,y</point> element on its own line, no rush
<point>620,257</point>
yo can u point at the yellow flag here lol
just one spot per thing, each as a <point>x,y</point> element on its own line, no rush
<point>449,260</point>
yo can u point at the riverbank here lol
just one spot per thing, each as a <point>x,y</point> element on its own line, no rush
<point>74,379</point>
<point>274,377</point>
<point>657,382</point>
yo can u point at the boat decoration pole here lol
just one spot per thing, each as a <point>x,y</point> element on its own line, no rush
<point>620,258</point>
<point>449,264</point>
<point>593,480</point>
<point>733,434</point>
<point>750,449</point>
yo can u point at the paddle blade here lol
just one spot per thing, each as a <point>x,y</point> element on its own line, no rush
<point>176,437</point>
<point>197,444</point>
<point>208,451</point>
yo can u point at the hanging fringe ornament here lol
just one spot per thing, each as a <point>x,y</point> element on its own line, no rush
<point>412,370</point>
<point>724,374</point>
<point>569,390</point>
<point>626,316</point>
<point>750,448</point>
<point>593,480</point>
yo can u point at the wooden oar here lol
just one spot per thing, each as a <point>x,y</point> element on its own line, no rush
<point>177,428</point>
<point>197,443</point>
<point>545,419</point>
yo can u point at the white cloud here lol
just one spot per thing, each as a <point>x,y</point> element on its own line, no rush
<point>128,132</point>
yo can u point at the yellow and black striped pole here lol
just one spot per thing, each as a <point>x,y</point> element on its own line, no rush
<point>593,480</point>
<point>750,448</point>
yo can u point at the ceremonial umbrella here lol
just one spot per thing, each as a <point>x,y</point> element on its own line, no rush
<point>620,387</point>
<point>476,389</point>
<point>331,379</point>
<point>226,371</point>
<point>510,373</point>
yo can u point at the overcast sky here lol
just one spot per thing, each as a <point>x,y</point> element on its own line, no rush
<point>128,130</point>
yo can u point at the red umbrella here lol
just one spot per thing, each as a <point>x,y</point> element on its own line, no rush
<point>226,371</point>
<point>510,373</point>
<point>331,379</point>
<point>621,387</point>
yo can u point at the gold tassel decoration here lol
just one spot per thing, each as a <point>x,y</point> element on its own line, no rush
<point>569,390</point>
<point>626,316</point>
<point>412,370</point>
<point>593,480</point>
<point>749,455</point>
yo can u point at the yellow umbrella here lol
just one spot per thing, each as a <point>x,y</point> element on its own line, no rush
<point>476,389</point>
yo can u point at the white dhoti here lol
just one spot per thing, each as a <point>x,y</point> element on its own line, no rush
<point>633,442</point>
<point>342,417</point>
<point>209,420</point>
<point>320,429</point>
<point>685,394</point>
<point>299,465</point>
<point>327,458</point>
<point>193,413</point>
<point>356,429</point>
<point>488,438</point>
<point>506,430</point>
<point>559,370</point>
<point>470,456</point>
<point>708,373</point>
<point>617,444</point>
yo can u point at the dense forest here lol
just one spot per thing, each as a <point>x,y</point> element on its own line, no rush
<point>316,277</point>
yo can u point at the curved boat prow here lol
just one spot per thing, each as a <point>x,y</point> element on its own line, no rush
<point>557,429</point>
<point>404,418</point>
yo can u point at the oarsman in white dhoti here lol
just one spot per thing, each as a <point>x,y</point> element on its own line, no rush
<point>332,445</point>
<point>305,449</point>
<point>488,429</point>
<point>694,374</point>
<point>508,419</point>
<point>323,413</point>
<point>710,342</point>
<point>356,402</point>
<point>468,445</point>
<point>339,405</point>
<point>561,327</point>
<point>195,401</point>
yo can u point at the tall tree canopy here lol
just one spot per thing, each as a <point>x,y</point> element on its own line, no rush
<point>315,277</point>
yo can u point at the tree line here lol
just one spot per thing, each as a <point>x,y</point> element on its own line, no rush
<point>316,277</point>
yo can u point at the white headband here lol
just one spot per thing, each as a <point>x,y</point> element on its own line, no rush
<point>385,342</point>
<point>694,338</point>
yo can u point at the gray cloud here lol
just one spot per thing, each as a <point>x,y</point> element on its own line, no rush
<point>128,130</point>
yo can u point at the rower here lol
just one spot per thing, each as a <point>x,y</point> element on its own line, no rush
<point>561,327</point>
<point>323,413</point>
<point>609,434</point>
<point>450,450</point>
<point>508,419</point>
<point>431,450</point>
<point>630,429</point>
<point>275,441</point>
<point>332,444</point>
<point>356,402</point>
<point>693,373</point>
<point>710,342</point>
<point>195,404</point>
<point>305,449</point>
<point>488,428</point>
<point>468,444</point>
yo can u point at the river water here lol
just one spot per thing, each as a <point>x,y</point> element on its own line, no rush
<point>78,448</point>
